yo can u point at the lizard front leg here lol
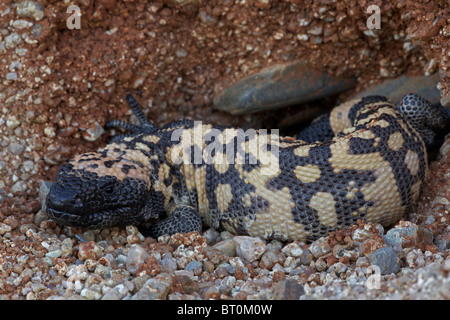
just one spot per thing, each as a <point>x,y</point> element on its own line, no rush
<point>184,218</point>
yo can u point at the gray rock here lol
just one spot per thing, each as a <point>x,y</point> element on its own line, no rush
<point>227,247</point>
<point>279,86</point>
<point>54,254</point>
<point>386,259</point>
<point>395,89</point>
<point>168,263</point>
<point>211,235</point>
<point>12,40</point>
<point>292,250</point>
<point>90,294</point>
<point>30,9</point>
<point>413,234</point>
<point>122,290</point>
<point>227,285</point>
<point>40,216</point>
<point>155,288</point>
<point>16,148</point>
<point>93,133</point>
<point>306,257</point>
<point>443,242</point>
<point>394,237</point>
<point>319,247</point>
<point>111,295</point>
<point>191,266</point>
<point>181,53</point>
<point>230,269</point>
<point>36,30</point>
<point>66,247</point>
<point>21,24</point>
<point>288,289</point>
<point>210,292</point>
<point>135,257</point>
<point>43,191</point>
<point>270,258</point>
<point>249,248</point>
<point>19,186</point>
<point>11,76</point>
<point>338,268</point>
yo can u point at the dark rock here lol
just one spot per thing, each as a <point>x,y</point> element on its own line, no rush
<point>306,257</point>
<point>395,89</point>
<point>279,86</point>
<point>386,259</point>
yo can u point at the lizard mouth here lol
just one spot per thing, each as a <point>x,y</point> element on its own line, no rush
<point>93,220</point>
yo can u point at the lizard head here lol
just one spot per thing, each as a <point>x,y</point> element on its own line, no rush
<point>102,189</point>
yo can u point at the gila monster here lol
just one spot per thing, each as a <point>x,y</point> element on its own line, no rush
<point>370,164</point>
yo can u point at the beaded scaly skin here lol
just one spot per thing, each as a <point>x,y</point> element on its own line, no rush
<point>370,164</point>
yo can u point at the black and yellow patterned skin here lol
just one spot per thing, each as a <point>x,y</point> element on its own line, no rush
<point>370,164</point>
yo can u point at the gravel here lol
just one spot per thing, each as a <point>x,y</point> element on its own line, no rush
<point>48,262</point>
